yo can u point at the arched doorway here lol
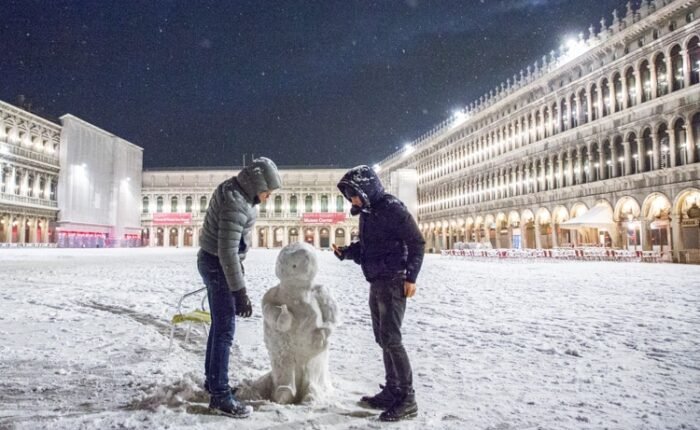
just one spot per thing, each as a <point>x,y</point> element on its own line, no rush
<point>145,237</point>
<point>516,235</point>
<point>340,237</point>
<point>527,224</point>
<point>354,235</point>
<point>309,236</point>
<point>563,236</point>
<point>325,238</point>
<point>262,238</point>
<point>278,237</point>
<point>3,230</point>
<point>490,231</point>
<point>687,240</point>
<point>293,235</point>
<point>656,228</point>
<point>160,237</point>
<point>627,216</point>
<point>173,237</point>
<point>544,221</point>
<point>188,237</point>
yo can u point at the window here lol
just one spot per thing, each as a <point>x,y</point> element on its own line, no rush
<point>339,204</point>
<point>188,204</point>
<point>144,205</point>
<point>324,203</point>
<point>173,204</point>
<point>308,204</point>
<point>293,204</point>
<point>655,33</point>
<point>278,205</point>
<point>202,204</point>
<point>159,204</point>
<point>690,17</point>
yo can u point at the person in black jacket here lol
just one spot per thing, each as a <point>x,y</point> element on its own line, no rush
<point>390,251</point>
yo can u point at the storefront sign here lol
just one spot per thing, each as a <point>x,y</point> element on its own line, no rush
<point>172,219</point>
<point>323,218</point>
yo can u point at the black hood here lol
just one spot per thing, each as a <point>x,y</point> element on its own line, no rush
<point>363,182</point>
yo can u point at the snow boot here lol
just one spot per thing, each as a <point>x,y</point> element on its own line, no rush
<point>381,400</point>
<point>206,388</point>
<point>404,406</point>
<point>228,405</point>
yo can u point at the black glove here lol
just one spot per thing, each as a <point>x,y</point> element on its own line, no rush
<point>243,306</point>
<point>340,252</point>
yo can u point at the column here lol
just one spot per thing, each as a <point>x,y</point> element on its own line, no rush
<point>686,68</point>
<point>8,225</point>
<point>656,151</point>
<point>180,236</point>
<point>22,229</point>
<point>270,237</point>
<point>45,230</point>
<point>625,94</point>
<point>23,191</point>
<point>690,139</point>
<point>317,238</point>
<point>555,238</point>
<point>589,103</point>
<point>672,145</point>
<point>195,234</point>
<point>579,114</point>
<point>331,231</point>
<point>32,230</point>
<point>645,235</point>
<point>652,77</point>
<point>613,95</point>
<point>601,102</point>
<point>613,160</point>
<point>602,167</point>
<point>538,239</point>
<point>669,74</point>
<point>628,158</point>
<point>285,236</point>
<point>638,86</point>
<point>676,232</point>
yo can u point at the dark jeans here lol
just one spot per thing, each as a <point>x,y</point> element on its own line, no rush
<point>388,305</point>
<point>222,306</point>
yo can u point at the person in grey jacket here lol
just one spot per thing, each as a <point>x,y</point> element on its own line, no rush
<point>230,217</point>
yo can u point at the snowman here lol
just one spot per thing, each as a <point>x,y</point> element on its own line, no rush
<point>298,320</point>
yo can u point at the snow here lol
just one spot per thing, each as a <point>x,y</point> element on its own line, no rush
<point>84,344</point>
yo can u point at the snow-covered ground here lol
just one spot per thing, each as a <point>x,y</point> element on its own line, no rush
<point>84,344</point>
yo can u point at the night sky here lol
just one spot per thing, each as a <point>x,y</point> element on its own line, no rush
<point>199,83</point>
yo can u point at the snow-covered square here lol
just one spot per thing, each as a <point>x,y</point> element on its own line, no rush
<point>84,344</point>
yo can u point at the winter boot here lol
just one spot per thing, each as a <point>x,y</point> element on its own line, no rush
<point>229,406</point>
<point>404,406</point>
<point>381,400</point>
<point>206,388</point>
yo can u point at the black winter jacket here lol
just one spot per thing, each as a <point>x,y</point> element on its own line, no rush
<point>390,241</point>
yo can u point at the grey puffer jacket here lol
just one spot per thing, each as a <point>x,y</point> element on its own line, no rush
<point>231,215</point>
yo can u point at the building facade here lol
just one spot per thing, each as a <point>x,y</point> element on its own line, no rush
<point>308,208</point>
<point>611,123</point>
<point>29,169</point>
<point>70,185</point>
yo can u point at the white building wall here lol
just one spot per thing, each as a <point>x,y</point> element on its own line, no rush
<point>100,181</point>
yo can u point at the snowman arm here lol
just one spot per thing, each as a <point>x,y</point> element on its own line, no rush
<point>329,310</point>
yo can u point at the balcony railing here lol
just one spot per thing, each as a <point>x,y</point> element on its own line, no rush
<point>12,198</point>
<point>27,153</point>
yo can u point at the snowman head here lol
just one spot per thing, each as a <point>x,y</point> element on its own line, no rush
<point>296,264</point>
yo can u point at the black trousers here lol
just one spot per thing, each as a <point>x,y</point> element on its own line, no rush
<point>387,302</point>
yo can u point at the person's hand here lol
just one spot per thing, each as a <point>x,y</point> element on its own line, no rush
<point>339,251</point>
<point>244,308</point>
<point>409,289</point>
